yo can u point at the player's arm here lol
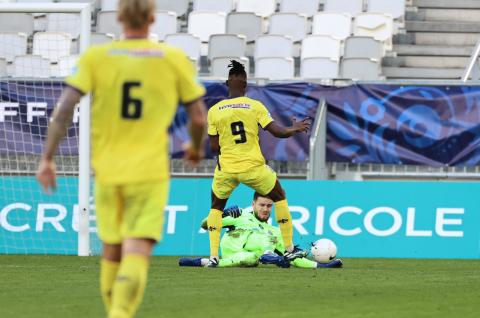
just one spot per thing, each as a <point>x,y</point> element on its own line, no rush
<point>285,132</point>
<point>197,114</point>
<point>61,121</point>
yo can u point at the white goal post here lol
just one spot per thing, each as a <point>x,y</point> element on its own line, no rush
<point>84,10</point>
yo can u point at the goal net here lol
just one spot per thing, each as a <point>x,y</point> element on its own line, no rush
<point>39,45</point>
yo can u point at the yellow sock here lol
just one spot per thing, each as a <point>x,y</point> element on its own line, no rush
<point>214,223</point>
<point>129,286</point>
<point>284,220</point>
<point>108,273</point>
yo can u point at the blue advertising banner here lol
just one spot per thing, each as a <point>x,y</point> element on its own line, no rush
<point>365,219</point>
<point>393,124</point>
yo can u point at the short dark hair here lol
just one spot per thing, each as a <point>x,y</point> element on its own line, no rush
<point>236,68</point>
<point>256,195</point>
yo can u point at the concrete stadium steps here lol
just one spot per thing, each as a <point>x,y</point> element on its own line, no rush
<point>447,4</point>
<point>427,73</point>
<point>439,38</point>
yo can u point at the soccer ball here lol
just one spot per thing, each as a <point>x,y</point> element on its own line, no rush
<point>324,250</point>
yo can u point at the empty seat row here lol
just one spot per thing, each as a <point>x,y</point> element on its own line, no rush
<point>55,22</point>
<point>35,66</point>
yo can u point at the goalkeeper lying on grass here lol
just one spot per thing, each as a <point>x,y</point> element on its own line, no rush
<point>250,240</point>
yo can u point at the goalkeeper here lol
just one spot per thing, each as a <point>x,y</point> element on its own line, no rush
<point>250,240</point>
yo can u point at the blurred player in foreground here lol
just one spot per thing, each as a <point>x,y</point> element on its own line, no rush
<point>233,130</point>
<point>251,240</point>
<point>136,85</point>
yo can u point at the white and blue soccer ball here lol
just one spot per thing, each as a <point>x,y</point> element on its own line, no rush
<point>324,250</point>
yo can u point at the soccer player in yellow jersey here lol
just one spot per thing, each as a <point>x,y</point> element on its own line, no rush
<point>136,85</point>
<point>233,131</point>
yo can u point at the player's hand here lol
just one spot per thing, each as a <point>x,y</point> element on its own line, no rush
<point>46,175</point>
<point>302,125</point>
<point>233,211</point>
<point>192,155</point>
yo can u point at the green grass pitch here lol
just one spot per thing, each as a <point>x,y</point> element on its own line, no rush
<point>67,286</point>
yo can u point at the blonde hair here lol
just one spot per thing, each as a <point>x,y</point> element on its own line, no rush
<point>135,13</point>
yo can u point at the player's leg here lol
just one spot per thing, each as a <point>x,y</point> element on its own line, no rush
<point>282,213</point>
<point>240,259</point>
<point>109,211</point>
<point>222,186</point>
<point>144,205</point>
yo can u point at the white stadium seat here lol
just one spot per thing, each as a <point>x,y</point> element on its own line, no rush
<point>274,68</point>
<point>101,38</point>
<point>306,7</point>
<point>396,8</point>
<point>321,46</point>
<point>12,44</point>
<point>338,25</point>
<point>226,45</point>
<point>219,65</point>
<point>225,6</point>
<point>352,7</point>
<point>273,45</point>
<point>3,67</point>
<point>52,45</point>
<point>109,5</point>
<point>293,25</point>
<point>363,69</point>
<point>376,25</point>
<point>205,23</point>
<point>263,8</point>
<point>319,68</point>
<point>64,67</point>
<point>180,7</point>
<point>246,23</point>
<point>31,66</point>
<point>363,46</point>
<point>187,42</point>
<point>64,22</point>
<point>16,22</point>
<point>165,23</point>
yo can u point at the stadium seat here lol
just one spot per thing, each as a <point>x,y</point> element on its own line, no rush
<point>165,23</point>
<point>396,8</point>
<point>12,44</point>
<point>180,7</point>
<point>100,38</point>
<point>263,8</point>
<point>273,45</point>
<point>352,7</point>
<point>3,67</point>
<point>319,68</point>
<point>225,6</point>
<point>376,25</point>
<point>274,68</point>
<point>205,23</point>
<point>306,7</point>
<point>31,66</point>
<point>363,46</point>
<point>109,5</point>
<point>219,65</point>
<point>16,22</point>
<point>338,25</point>
<point>64,22</point>
<point>321,46</point>
<point>226,45</point>
<point>293,25</point>
<point>364,69</point>
<point>107,23</point>
<point>246,23</point>
<point>64,67</point>
<point>52,45</point>
<point>187,42</point>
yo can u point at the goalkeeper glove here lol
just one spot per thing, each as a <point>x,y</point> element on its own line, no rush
<point>233,211</point>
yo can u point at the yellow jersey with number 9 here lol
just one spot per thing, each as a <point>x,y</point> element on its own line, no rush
<point>136,85</point>
<point>236,122</point>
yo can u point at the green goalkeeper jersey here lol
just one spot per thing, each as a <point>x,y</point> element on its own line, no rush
<point>250,234</point>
